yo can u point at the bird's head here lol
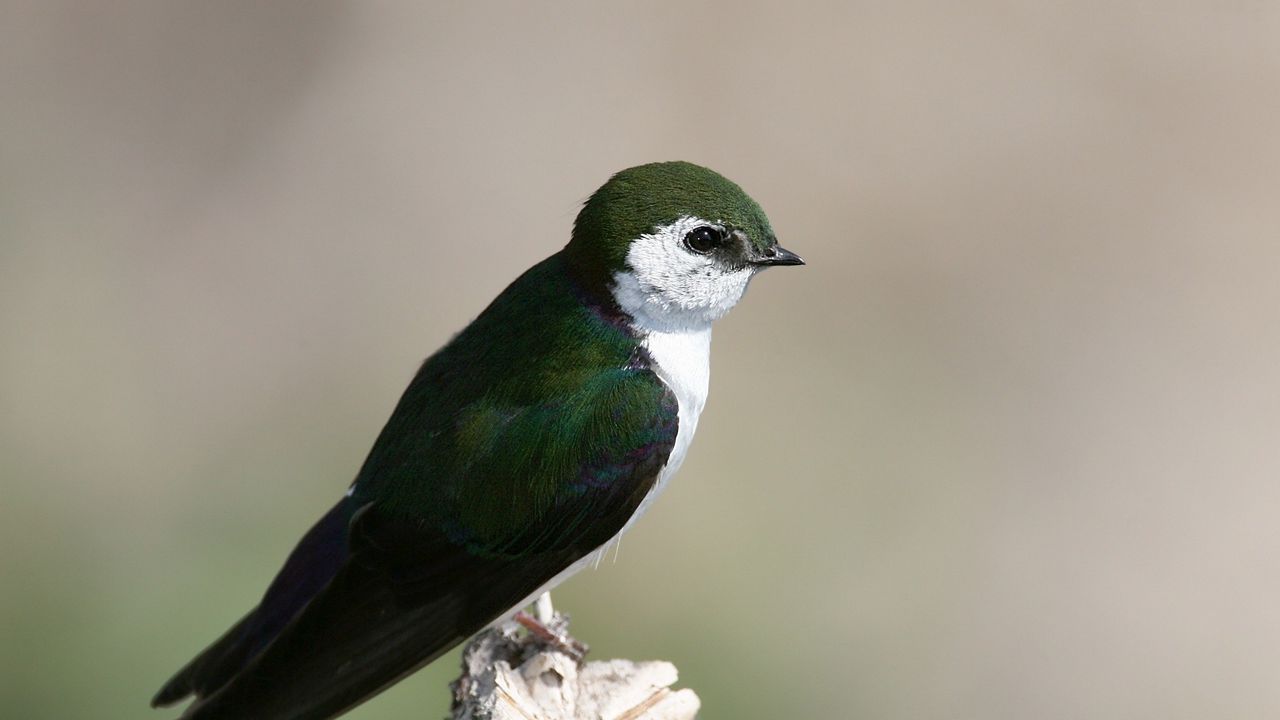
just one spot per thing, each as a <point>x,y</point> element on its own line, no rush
<point>675,244</point>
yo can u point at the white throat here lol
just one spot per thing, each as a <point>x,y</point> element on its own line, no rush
<point>683,361</point>
<point>668,288</point>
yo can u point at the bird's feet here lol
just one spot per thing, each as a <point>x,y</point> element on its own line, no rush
<point>553,632</point>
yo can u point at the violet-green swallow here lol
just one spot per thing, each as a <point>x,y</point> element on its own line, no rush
<point>531,440</point>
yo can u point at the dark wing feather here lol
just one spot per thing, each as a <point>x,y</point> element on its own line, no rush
<point>522,445</point>
<point>363,633</point>
<point>412,587</point>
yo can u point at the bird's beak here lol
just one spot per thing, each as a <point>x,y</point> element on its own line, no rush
<point>777,255</point>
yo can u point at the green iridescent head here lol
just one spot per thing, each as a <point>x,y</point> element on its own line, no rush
<point>638,200</point>
<point>673,240</point>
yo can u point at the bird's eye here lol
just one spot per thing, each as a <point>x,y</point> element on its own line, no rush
<point>703,240</point>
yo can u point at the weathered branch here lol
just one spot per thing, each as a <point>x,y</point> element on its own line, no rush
<point>509,675</point>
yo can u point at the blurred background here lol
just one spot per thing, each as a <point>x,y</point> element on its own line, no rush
<point>1020,459</point>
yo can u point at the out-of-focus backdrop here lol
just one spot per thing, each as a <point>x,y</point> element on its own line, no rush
<point>1006,448</point>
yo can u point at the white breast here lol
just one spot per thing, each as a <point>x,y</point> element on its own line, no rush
<point>683,361</point>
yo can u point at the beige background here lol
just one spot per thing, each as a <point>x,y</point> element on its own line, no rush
<point>1006,448</point>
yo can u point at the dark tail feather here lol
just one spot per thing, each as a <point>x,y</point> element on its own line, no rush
<point>311,565</point>
<point>352,641</point>
<point>209,669</point>
<point>361,635</point>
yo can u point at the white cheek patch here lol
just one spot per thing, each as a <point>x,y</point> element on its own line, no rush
<point>671,289</point>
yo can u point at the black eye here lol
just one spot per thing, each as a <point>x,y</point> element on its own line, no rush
<point>703,239</point>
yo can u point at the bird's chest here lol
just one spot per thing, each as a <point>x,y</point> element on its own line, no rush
<point>683,361</point>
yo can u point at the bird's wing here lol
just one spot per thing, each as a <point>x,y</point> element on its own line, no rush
<point>537,488</point>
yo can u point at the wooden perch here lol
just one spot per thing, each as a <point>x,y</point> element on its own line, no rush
<point>509,675</point>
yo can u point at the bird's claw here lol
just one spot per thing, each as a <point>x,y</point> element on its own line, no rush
<point>554,633</point>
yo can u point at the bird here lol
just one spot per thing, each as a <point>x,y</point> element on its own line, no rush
<point>519,451</point>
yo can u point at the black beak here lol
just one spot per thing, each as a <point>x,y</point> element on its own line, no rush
<point>777,255</point>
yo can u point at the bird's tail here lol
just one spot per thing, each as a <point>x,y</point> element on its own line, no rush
<point>210,669</point>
